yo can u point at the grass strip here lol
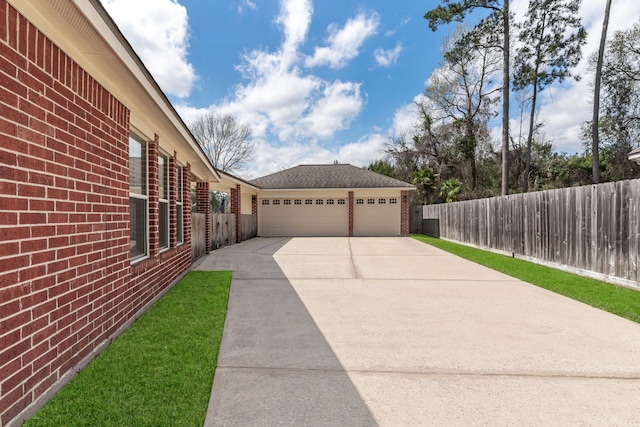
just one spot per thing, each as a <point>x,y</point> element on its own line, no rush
<point>159,372</point>
<point>615,299</point>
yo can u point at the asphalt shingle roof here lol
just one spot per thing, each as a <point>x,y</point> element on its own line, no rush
<point>327,176</point>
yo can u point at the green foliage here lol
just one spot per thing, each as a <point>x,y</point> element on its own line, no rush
<point>551,41</point>
<point>450,190</point>
<point>158,372</point>
<point>384,167</point>
<point>425,179</point>
<point>457,11</point>
<point>614,299</point>
<point>619,123</point>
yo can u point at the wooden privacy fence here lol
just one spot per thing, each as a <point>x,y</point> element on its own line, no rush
<point>223,230</point>
<point>198,236</point>
<point>249,226</point>
<point>594,228</point>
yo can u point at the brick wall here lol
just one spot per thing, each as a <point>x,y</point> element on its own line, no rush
<point>203,206</point>
<point>351,207</point>
<point>404,212</point>
<point>236,208</point>
<point>66,280</point>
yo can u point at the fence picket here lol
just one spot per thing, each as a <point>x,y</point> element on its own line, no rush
<point>594,228</point>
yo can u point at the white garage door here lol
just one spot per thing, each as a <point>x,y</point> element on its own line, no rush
<point>303,217</point>
<point>376,216</point>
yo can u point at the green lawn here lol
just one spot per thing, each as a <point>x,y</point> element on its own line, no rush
<point>614,299</point>
<point>157,373</point>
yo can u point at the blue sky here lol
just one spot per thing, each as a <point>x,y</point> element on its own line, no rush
<point>319,81</point>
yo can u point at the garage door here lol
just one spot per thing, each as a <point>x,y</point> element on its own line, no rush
<point>376,216</point>
<point>303,217</point>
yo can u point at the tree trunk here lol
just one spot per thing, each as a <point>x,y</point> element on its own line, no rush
<point>505,101</point>
<point>532,116</point>
<point>595,137</point>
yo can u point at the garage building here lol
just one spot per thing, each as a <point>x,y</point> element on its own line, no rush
<point>331,200</point>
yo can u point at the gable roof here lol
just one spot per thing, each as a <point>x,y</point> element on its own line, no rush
<point>327,176</point>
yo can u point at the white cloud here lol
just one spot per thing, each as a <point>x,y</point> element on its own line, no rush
<point>294,113</point>
<point>281,99</point>
<point>246,4</point>
<point>406,118</point>
<point>344,43</point>
<point>295,18</point>
<point>158,30</point>
<point>274,158</point>
<point>386,58</point>
<point>340,103</point>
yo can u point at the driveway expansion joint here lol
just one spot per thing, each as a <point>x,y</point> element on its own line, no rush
<point>440,372</point>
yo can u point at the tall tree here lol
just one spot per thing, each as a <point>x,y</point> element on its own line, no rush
<point>461,89</point>
<point>551,40</point>
<point>499,12</point>
<point>595,135</point>
<point>226,142</point>
<point>619,121</point>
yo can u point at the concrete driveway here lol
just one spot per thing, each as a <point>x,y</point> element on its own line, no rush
<point>393,332</point>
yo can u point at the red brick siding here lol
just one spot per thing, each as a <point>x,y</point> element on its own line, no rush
<point>236,208</point>
<point>203,206</point>
<point>350,201</point>
<point>186,204</point>
<point>173,215</point>
<point>66,280</point>
<point>404,212</point>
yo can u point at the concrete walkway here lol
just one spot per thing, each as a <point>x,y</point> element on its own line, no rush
<point>393,332</point>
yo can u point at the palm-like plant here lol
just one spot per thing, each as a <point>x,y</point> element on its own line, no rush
<point>450,190</point>
<point>425,179</point>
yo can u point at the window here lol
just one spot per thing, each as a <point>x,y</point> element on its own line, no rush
<point>265,202</point>
<point>319,202</point>
<point>276,202</point>
<point>138,198</point>
<point>308,202</point>
<point>341,201</point>
<point>371,201</point>
<point>393,201</point>
<point>179,211</point>
<point>287,202</point>
<point>382,201</point>
<point>298,202</point>
<point>163,196</point>
<point>359,201</point>
<point>329,201</point>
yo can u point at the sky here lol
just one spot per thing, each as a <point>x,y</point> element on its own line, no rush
<point>320,82</point>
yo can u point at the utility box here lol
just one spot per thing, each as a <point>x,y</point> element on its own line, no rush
<point>431,227</point>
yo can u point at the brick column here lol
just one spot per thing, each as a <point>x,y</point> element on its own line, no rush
<point>254,205</point>
<point>154,208</point>
<point>202,206</point>
<point>350,201</point>
<point>173,215</point>
<point>404,213</point>
<point>236,208</point>
<point>186,204</point>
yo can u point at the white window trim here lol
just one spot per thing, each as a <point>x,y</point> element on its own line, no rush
<point>179,182</point>
<point>166,201</point>
<point>144,197</point>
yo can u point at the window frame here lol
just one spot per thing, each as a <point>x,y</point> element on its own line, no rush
<point>179,205</point>
<point>145,197</point>
<point>164,201</point>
